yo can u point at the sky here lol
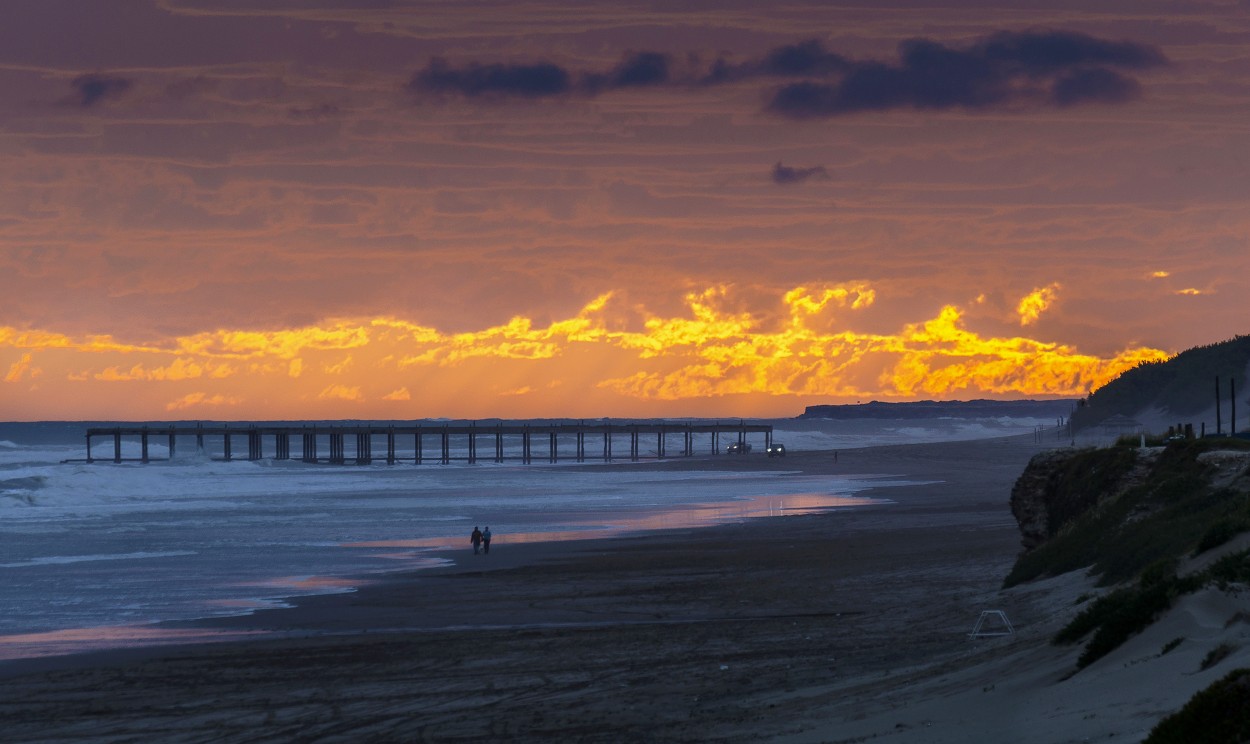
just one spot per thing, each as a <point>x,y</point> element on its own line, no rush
<point>383,209</point>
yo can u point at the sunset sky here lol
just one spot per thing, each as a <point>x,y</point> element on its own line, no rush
<point>383,209</point>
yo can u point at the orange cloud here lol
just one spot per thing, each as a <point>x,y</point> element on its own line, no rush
<point>20,368</point>
<point>199,400</point>
<point>339,367</point>
<point>340,392</point>
<point>1036,302</point>
<point>285,344</point>
<point>940,357</point>
<point>716,350</point>
<point>182,368</point>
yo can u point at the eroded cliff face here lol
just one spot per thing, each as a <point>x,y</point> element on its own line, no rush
<point>1029,494</point>
<point>1058,486</point>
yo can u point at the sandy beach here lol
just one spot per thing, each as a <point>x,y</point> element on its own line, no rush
<point>845,626</point>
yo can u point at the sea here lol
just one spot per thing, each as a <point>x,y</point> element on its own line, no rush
<point>104,555</point>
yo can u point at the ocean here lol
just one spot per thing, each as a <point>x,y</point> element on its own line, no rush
<point>98,555</point>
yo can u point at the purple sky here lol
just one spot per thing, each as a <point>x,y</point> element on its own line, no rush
<point>191,190</point>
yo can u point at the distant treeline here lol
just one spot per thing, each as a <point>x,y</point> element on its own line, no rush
<point>1181,386</point>
<point>964,409</point>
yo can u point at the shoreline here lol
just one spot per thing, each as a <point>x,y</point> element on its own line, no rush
<point>765,628</point>
<point>347,562</point>
<point>508,556</point>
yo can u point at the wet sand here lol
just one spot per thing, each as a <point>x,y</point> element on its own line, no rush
<point>840,626</point>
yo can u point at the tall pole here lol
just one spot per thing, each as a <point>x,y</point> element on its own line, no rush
<point>1218,425</point>
<point>1232,403</point>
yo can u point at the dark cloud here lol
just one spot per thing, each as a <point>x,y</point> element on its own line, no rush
<point>635,70</point>
<point>1057,67</point>
<point>804,59</point>
<point>94,88</point>
<point>1006,67</point>
<point>541,80</point>
<point>807,58</point>
<point>496,80</point>
<point>1095,84</point>
<point>640,69</point>
<point>1043,52</point>
<point>785,175</point>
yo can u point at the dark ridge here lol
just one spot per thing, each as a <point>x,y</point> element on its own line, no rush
<point>1182,386</point>
<point>963,409</point>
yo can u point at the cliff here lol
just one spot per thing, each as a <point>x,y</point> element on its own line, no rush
<point>1061,485</point>
<point>1156,526</point>
<point>1119,509</point>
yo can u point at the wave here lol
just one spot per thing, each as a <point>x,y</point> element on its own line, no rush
<point>55,560</point>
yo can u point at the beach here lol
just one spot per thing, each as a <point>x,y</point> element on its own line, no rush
<point>848,625</point>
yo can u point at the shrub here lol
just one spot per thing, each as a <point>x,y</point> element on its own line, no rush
<point>1091,617</point>
<point>1167,515</point>
<point>1231,569</point>
<point>1219,533</point>
<point>1085,478</point>
<point>1220,714</point>
<point>1216,655</point>
<point>1124,620</point>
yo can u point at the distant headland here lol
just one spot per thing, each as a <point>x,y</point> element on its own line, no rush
<point>924,409</point>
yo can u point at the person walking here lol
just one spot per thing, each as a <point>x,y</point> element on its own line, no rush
<point>476,539</point>
<point>486,539</point>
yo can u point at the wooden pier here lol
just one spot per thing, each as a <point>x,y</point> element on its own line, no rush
<point>411,442</point>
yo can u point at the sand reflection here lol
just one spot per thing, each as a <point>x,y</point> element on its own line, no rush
<point>78,640</point>
<point>604,524</point>
<point>680,517</point>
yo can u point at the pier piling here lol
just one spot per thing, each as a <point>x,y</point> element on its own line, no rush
<point>511,441</point>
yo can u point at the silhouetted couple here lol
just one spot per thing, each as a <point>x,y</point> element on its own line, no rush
<point>480,539</point>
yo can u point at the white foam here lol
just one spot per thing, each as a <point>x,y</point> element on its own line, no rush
<point>63,559</point>
<point>102,543</point>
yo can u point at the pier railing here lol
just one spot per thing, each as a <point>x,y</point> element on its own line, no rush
<point>522,442</point>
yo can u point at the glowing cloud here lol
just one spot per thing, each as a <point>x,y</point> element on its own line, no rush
<point>806,346</point>
<point>940,357</point>
<point>201,400</point>
<point>340,392</point>
<point>19,369</point>
<point>1036,302</point>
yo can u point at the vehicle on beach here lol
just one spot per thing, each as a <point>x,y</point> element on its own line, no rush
<point>776,449</point>
<point>738,448</point>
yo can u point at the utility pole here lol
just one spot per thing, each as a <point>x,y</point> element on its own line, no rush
<point>1218,425</point>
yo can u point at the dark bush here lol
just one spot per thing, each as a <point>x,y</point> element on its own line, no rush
<point>1220,714</point>
<point>1216,655</point>
<point>1220,533</point>
<point>1125,619</point>
<point>1168,515</point>
<point>1233,568</point>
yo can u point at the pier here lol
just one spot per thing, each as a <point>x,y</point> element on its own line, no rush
<point>420,443</point>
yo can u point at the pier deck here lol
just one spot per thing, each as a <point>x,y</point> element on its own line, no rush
<point>410,442</point>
